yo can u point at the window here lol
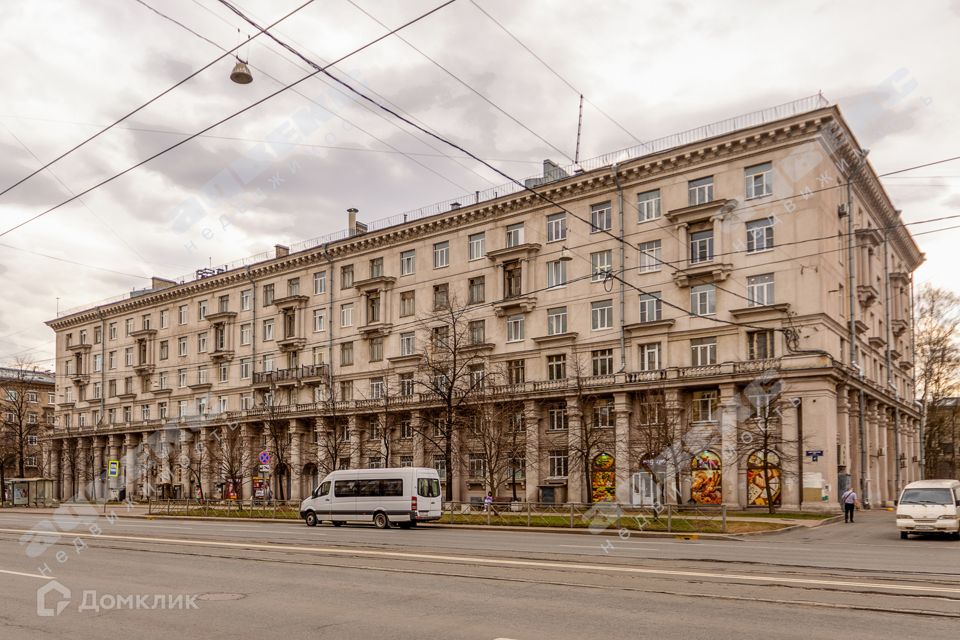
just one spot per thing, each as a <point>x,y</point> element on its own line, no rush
<point>556,227</point>
<point>441,299</point>
<point>346,314</point>
<point>760,290</point>
<point>319,282</point>
<point>97,362</point>
<point>441,255</point>
<point>246,334</point>
<point>476,244</point>
<point>346,276</point>
<point>601,217</point>
<point>408,262</point>
<point>346,390</point>
<point>760,345</point>
<point>112,331</point>
<point>267,363</point>
<point>557,366</point>
<point>557,419</point>
<point>477,463</point>
<point>700,190</point>
<point>650,357</point>
<point>601,264</point>
<point>346,354</point>
<point>556,273</point>
<point>514,328</point>
<point>758,180</point>
<point>318,320</point>
<point>648,205</point>
<point>223,372</point>
<point>703,351</point>
<point>701,246</point>
<point>128,330</point>
<point>202,376</point>
<point>376,268</point>
<point>603,416</point>
<point>164,318</point>
<point>408,343</point>
<point>268,294</point>
<point>97,394</point>
<point>558,463</point>
<point>376,393</point>
<point>182,314</point>
<point>144,412</point>
<point>32,396</point>
<point>202,342</point>
<point>651,307</point>
<point>111,389</point>
<point>376,349</point>
<point>181,378</point>
<point>293,287</point>
<point>512,279</point>
<point>224,404</point>
<point>477,292</point>
<point>246,367</point>
<point>373,307</point>
<point>245,298</point>
<point>408,305</point>
<point>406,389</point>
<point>703,300</point>
<point>98,335</point>
<point>556,321</point>
<point>405,461</point>
<point>601,314</point>
<point>704,406</point>
<point>650,256</point>
<point>760,235</point>
<point>515,235</point>
<point>515,372</point>
<point>128,356</point>
<point>164,349</point>
<point>440,337</point>
<point>602,362</point>
<point>478,331</point>
<point>268,329</point>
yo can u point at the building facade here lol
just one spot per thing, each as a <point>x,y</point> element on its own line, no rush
<point>692,320</point>
<point>27,404</point>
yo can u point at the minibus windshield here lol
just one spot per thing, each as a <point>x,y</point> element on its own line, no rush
<point>927,496</point>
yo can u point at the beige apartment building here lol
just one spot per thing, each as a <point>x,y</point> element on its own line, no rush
<point>27,403</point>
<point>647,325</point>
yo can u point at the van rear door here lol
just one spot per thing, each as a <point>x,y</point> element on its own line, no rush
<point>428,496</point>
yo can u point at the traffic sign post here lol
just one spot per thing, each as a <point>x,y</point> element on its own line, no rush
<point>113,469</point>
<point>264,457</point>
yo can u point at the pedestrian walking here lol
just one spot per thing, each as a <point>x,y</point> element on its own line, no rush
<point>849,502</point>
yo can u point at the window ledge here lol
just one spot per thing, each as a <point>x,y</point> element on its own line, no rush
<point>761,310</point>
<point>559,338</point>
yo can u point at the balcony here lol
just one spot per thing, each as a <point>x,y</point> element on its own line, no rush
<point>295,375</point>
<point>79,378</point>
<point>287,302</point>
<point>706,272</point>
<point>867,294</point>
<point>144,368</point>
<point>700,212</point>
<point>375,330</point>
<point>771,310</point>
<point>143,333</point>
<point>518,304</point>
<point>877,342</point>
<point>291,343</point>
<point>375,283</point>
<point>557,338</point>
<point>898,327</point>
<point>221,355</point>
<point>221,316</point>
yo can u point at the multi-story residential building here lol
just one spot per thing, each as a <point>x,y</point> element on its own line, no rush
<point>652,322</point>
<point>942,438</point>
<point>27,404</point>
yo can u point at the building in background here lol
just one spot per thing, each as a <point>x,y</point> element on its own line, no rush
<point>27,403</point>
<point>683,321</point>
<point>942,436</point>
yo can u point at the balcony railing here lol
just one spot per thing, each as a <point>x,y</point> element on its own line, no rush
<point>293,374</point>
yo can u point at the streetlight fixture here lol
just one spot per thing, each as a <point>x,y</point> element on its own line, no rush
<point>241,73</point>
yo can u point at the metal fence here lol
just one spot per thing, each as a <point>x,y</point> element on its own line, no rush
<point>250,508</point>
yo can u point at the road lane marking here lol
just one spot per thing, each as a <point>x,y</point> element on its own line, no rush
<point>543,564</point>
<point>27,575</point>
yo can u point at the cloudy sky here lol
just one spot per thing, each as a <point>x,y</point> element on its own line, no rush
<point>287,169</point>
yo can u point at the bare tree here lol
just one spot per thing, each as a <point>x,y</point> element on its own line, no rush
<point>229,456</point>
<point>596,433</point>
<point>497,435</point>
<point>451,372</point>
<point>937,359</point>
<point>333,430</point>
<point>20,415</point>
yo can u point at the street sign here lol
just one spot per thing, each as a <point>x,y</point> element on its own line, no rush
<point>113,469</point>
<point>264,468</point>
<point>264,457</point>
<point>814,454</point>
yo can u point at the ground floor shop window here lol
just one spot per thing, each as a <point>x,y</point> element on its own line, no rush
<point>759,480</point>
<point>603,478</point>
<point>706,487</point>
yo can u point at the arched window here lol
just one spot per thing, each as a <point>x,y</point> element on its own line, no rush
<point>603,478</point>
<point>706,482</point>
<point>763,471</point>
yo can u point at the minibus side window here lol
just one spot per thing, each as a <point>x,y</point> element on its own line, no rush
<point>391,488</point>
<point>324,489</point>
<point>345,488</point>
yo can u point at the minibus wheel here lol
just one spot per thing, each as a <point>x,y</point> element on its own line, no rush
<point>311,519</point>
<point>380,520</point>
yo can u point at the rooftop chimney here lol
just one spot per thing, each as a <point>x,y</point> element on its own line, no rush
<point>161,283</point>
<point>353,227</point>
<point>282,251</point>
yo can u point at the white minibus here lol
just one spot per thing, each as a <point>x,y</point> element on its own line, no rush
<point>403,496</point>
<point>929,506</point>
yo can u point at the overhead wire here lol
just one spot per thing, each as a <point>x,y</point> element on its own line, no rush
<point>221,121</point>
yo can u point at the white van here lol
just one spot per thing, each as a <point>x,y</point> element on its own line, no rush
<point>403,496</point>
<point>929,506</point>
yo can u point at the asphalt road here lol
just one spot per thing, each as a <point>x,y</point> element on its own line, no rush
<point>285,580</point>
